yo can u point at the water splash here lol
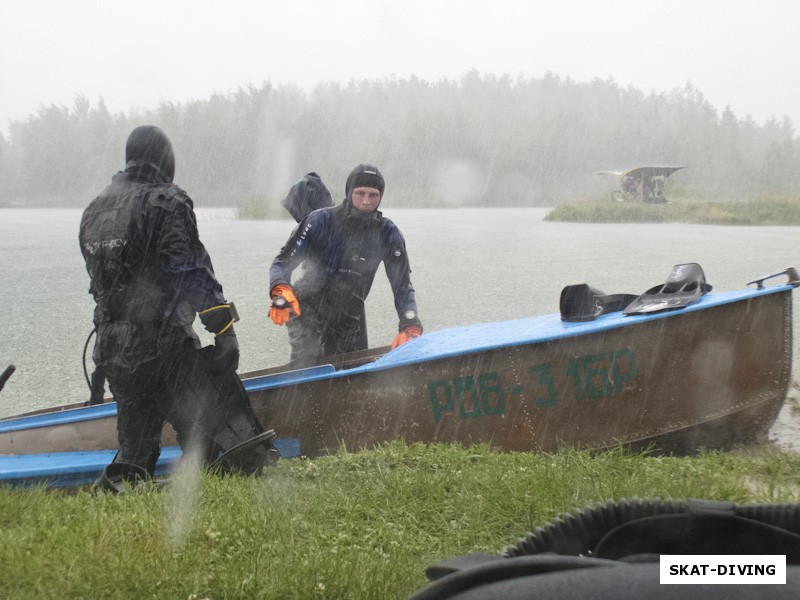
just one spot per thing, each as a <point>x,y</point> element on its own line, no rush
<point>183,495</point>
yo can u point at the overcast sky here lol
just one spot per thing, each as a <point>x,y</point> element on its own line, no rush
<point>742,53</point>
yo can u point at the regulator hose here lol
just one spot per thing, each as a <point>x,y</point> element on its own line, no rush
<point>85,347</point>
<point>6,374</point>
<point>578,532</point>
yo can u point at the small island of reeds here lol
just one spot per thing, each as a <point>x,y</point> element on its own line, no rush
<point>765,211</point>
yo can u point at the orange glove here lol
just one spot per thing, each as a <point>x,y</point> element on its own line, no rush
<point>408,334</point>
<point>283,299</point>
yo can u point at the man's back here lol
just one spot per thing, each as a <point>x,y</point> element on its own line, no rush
<point>118,236</point>
<point>148,269</point>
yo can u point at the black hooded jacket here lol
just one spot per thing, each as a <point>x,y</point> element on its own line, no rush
<point>341,249</point>
<point>149,271</point>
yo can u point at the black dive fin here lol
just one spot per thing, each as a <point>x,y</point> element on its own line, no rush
<point>117,475</point>
<point>249,457</point>
<point>684,286</point>
<point>214,412</point>
<point>581,302</point>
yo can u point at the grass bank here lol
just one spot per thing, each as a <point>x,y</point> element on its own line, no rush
<point>362,525</point>
<point>760,211</point>
<point>256,208</point>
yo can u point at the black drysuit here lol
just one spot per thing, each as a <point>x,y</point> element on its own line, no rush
<point>149,275</point>
<point>341,249</point>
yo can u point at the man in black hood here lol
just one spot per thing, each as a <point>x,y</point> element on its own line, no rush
<point>150,275</point>
<point>341,249</point>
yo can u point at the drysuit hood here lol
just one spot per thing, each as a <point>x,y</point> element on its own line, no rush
<point>364,176</point>
<point>148,148</point>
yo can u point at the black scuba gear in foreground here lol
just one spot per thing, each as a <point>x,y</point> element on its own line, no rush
<point>612,552</point>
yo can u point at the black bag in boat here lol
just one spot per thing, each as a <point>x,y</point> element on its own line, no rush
<point>307,195</point>
<point>613,552</point>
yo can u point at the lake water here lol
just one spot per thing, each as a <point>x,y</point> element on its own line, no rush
<point>469,265</point>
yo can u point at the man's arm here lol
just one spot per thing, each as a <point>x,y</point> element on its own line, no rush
<point>398,270</point>
<point>183,256</point>
<point>294,251</point>
<point>284,300</point>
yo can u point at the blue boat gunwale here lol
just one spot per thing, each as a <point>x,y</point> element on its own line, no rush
<point>70,469</point>
<point>470,339</point>
<point>483,336</point>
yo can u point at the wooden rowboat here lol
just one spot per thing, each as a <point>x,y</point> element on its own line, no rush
<point>710,375</point>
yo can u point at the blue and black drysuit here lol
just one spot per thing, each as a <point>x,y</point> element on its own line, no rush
<point>341,249</point>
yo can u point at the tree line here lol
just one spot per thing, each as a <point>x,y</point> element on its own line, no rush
<point>481,140</point>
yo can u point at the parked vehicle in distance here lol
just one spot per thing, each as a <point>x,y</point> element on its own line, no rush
<point>641,184</point>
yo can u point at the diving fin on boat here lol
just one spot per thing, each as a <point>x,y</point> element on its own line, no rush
<point>581,302</point>
<point>684,286</point>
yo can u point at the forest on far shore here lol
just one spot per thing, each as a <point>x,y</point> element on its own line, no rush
<point>478,141</point>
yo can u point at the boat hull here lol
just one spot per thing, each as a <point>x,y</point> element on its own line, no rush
<point>707,378</point>
<point>710,375</point>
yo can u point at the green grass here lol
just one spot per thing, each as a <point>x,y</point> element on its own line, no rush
<point>258,208</point>
<point>761,211</point>
<point>360,525</point>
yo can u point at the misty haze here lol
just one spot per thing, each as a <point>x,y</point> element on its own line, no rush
<point>477,141</point>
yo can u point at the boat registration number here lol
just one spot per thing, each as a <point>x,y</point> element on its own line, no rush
<point>485,394</point>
